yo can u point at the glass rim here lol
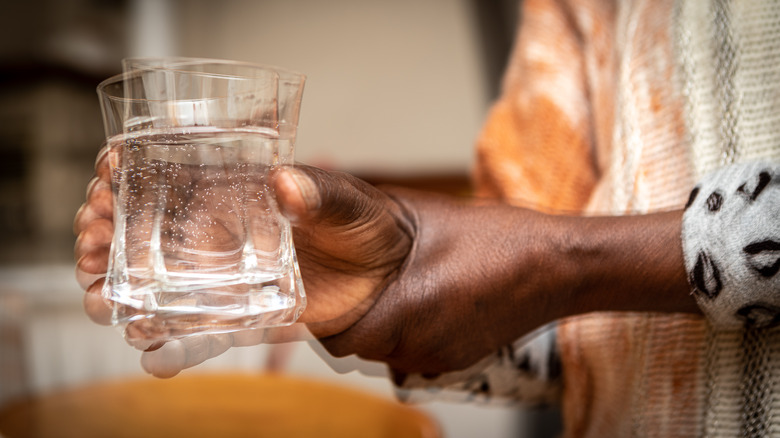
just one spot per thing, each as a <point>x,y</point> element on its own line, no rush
<point>181,60</point>
<point>120,77</point>
<point>184,60</point>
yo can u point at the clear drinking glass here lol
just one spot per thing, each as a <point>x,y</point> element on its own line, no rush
<point>199,244</point>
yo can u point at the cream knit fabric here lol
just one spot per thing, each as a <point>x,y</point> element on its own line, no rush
<point>621,107</point>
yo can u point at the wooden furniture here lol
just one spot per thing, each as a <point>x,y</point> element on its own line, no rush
<point>213,406</point>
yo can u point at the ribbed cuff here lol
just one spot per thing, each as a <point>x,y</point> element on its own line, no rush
<point>731,245</point>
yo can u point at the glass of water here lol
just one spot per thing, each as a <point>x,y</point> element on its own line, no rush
<point>199,244</point>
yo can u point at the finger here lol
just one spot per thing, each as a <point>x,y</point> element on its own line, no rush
<point>95,306</point>
<point>102,168</point>
<point>290,333</point>
<point>247,338</point>
<point>85,215</point>
<point>166,361</point>
<point>86,279</point>
<point>92,266</point>
<point>296,193</point>
<point>273,335</point>
<point>94,262</point>
<point>101,198</point>
<point>145,334</point>
<point>98,189</point>
<point>95,235</point>
<point>306,193</point>
<point>178,355</point>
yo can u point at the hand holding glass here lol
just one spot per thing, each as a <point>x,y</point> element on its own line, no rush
<point>199,244</point>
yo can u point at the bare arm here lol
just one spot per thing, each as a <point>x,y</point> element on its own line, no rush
<point>480,276</point>
<point>429,283</point>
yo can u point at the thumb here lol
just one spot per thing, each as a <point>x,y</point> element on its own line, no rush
<point>296,193</point>
<point>306,193</point>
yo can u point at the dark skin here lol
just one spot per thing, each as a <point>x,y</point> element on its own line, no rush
<point>424,282</point>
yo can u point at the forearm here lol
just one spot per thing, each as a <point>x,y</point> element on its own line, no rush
<point>479,276</point>
<point>626,263</point>
<point>487,273</point>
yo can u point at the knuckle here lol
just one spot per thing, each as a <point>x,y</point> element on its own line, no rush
<point>94,262</point>
<point>96,308</point>
<point>95,234</point>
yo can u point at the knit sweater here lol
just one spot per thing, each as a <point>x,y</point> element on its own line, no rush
<point>622,107</point>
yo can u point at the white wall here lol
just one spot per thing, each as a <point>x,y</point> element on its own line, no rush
<point>393,86</point>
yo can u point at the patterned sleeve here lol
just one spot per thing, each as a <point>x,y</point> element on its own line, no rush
<point>731,244</point>
<point>526,373</point>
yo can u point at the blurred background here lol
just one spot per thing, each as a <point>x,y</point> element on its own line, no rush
<point>396,92</point>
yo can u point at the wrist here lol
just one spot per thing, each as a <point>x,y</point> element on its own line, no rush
<point>625,263</point>
<point>478,278</point>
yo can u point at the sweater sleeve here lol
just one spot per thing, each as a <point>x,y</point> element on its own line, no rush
<point>731,245</point>
<point>526,373</point>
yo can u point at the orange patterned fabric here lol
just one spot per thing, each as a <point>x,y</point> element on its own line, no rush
<point>539,144</point>
<point>621,107</point>
<point>591,117</point>
<point>590,120</point>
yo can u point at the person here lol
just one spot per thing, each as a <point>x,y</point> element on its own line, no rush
<point>620,258</point>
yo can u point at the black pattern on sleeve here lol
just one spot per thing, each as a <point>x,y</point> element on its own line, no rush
<point>731,244</point>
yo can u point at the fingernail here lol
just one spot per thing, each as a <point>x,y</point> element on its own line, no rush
<point>165,362</point>
<point>309,192</point>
